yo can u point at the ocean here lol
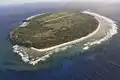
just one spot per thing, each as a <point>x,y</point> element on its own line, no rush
<point>100,62</point>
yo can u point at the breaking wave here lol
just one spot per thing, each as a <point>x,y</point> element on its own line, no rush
<point>25,57</point>
<point>112,31</point>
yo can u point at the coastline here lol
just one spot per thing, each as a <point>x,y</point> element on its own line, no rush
<point>111,32</point>
<point>29,18</point>
<point>53,49</point>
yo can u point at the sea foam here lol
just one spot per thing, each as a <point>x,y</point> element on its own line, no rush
<point>112,31</point>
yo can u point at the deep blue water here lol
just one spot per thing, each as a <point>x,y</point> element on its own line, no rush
<point>101,62</point>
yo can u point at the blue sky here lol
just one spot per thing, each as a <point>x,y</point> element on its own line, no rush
<point>29,1</point>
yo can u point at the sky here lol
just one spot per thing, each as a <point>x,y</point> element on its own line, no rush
<point>31,1</point>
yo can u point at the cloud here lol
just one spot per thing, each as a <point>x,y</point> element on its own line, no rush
<point>32,1</point>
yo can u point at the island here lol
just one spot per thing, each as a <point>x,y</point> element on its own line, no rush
<point>41,35</point>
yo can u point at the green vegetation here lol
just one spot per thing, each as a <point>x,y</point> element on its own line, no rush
<point>53,29</point>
